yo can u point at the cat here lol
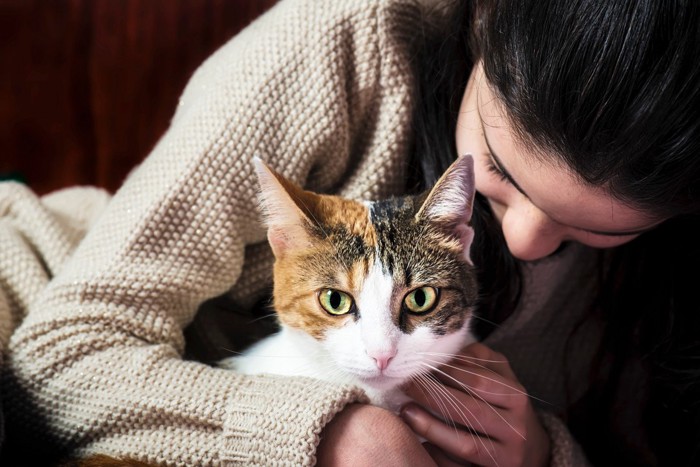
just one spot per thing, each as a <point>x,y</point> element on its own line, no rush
<point>372,294</point>
<point>367,293</point>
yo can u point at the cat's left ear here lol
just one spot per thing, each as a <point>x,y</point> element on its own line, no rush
<point>287,210</point>
<point>450,203</point>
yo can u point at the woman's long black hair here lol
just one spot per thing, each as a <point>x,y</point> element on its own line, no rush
<point>614,88</point>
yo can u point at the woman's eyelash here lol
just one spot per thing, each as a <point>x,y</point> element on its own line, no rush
<point>491,167</point>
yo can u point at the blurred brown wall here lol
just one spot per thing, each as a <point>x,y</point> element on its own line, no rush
<point>88,86</point>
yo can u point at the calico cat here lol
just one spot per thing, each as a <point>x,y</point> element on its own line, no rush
<point>373,294</point>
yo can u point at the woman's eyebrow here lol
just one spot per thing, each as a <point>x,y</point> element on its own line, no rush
<point>499,165</point>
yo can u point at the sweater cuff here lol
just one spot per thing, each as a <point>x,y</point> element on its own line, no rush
<point>275,419</point>
<point>564,450</point>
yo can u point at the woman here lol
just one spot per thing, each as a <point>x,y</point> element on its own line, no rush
<point>582,121</point>
<point>587,124</point>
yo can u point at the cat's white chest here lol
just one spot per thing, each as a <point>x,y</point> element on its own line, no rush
<point>291,353</point>
<point>294,353</point>
<point>287,353</point>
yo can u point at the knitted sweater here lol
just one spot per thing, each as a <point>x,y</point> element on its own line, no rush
<point>322,92</point>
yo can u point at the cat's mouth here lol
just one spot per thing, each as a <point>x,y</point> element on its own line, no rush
<point>381,381</point>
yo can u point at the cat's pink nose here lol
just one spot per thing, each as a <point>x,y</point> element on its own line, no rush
<point>382,362</point>
<point>382,359</point>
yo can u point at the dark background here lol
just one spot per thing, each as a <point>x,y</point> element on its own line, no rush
<point>88,86</point>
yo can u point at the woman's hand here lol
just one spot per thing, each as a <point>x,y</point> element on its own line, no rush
<point>368,435</point>
<point>488,417</point>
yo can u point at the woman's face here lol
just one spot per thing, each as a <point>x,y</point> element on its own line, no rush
<point>539,202</point>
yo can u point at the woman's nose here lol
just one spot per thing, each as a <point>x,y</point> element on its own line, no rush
<point>529,232</point>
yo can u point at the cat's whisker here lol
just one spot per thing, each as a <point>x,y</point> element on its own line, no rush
<point>461,358</point>
<point>492,323</point>
<point>264,356</point>
<point>262,317</point>
<point>321,369</point>
<point>473,360</point>
<point>318,367</point>
<point>518,391</point>
<point>440,386</point>
<point>474,393</point>
<point>439,390</point>
<point>431,388</point>
<point>465,422</point>
<point>431,393</point>
<point>464,370</point>
<point>466,358</point>
<point>325,368</point>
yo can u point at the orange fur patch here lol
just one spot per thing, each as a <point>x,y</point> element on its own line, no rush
<point>326,263</point>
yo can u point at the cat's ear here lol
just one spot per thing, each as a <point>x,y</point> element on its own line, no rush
<point>450,203</point>
<point>283,204</point>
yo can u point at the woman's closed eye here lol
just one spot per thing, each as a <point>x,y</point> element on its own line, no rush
<point>494,169</point>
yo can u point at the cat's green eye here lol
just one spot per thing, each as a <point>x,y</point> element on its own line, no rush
<point>421,300</point>
<point>335,302</point>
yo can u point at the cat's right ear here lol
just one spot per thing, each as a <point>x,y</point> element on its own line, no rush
<point>281,201</point>
<point>450,202</point>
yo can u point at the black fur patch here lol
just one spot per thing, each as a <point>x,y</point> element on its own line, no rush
<point>416,254</point>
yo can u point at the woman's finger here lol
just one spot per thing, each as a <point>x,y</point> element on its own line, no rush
<point>441,458</point>
<point>483,383</point>
<point>482,356</point>
<point>460,408</point>
<point>455,442</point>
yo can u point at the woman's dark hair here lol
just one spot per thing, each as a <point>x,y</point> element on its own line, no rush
<point>613,88</point>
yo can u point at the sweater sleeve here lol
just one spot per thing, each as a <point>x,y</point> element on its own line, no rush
<point>319,90</point>
<point>565,450</point>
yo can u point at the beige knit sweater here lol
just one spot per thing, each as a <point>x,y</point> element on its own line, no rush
<point>322,91</point>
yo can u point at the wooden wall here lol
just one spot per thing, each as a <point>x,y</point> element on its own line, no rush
<point>88,86</point>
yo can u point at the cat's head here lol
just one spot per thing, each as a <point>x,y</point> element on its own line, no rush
<point>386,289</point>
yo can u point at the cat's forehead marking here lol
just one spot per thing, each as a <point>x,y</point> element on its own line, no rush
<point>374,302</point>
<point>415,254</point>
<point>396,233</point>
<point>346,224</point>
<point>413,251</point>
